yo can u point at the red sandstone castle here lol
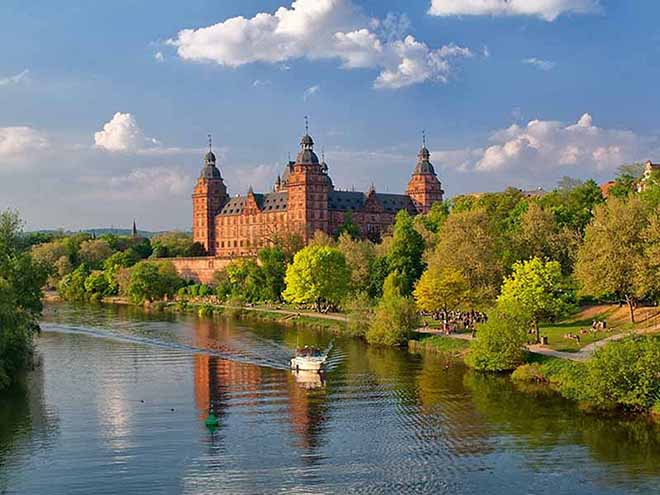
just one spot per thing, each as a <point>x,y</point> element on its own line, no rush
<point>303,201</point>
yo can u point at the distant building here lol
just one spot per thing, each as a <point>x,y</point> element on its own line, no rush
<point>649,168</point>
<point>303,201</point>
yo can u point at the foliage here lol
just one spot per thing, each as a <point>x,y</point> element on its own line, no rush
<point>440,288</point>
<point>94,252</point>
<point>406,252</point>
<point>395,317</point>
<point>469,245</point>
<point>611,259</point>
<point>360,311</point>
<point>500,342</point>
<point>96,285</point>
<point>150,280</point>
<point>273,268</point>
<point>624,183</point>
<point>317,275</point>
<point>175,244</point>
<point>359,256</point>
<point>379,269</point>
<point>21,280</point>
<point>349,227</point>
<point>529,373</point>
<point>537,290</point>
<point>246,280</point>
<point>72,286</point>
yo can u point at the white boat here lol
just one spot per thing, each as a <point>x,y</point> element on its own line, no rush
<point>308,359</point>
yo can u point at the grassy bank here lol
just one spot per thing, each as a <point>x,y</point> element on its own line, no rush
<point>439,344</point>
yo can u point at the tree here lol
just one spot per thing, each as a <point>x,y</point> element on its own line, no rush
<point>173,245</point>
<point>72,286</point>
<point>500,342</point>
<point>469,245</point>
<point>21,280</point>
<point>96,285</point>
<point>625,181</point>
<point>441,288</point>
<point>395,317</point>
<point>349,227</point>
<point>536,289</point>
<point>152,280</point>
<point>612,255</point>
<point>317,275</point>
<point>273,268</point>
<point>359,257</point>
<point>94,252</point>
<point>246,280</point>
<point>406,251</point>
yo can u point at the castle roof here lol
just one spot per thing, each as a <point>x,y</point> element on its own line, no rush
<point>275,201</point>
<point>354,200</point>
<point>424,166</point>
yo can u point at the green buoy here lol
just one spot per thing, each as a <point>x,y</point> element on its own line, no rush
<point>211,420</point>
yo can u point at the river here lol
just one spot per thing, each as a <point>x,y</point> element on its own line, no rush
<point>119,401</point>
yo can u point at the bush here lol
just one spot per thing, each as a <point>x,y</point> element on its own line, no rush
<point>72,286</point>
<point>529,373</point>
<point>205,310</point>
<point>625,373</point>
<point>395,317</point>
<point>500,343</point>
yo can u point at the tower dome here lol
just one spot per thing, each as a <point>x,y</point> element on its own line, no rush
<point>209,170</point>
<point>424,166</point>
<point>306,154</point>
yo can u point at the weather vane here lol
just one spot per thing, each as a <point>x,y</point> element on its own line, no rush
<point>210,142</point>
<point>306,125</point>
<point>424,138</point>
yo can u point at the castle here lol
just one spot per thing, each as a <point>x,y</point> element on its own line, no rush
<point>302,202</point>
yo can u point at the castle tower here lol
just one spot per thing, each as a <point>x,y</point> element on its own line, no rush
<point>308,187</point>
<point>424,187</point>
<point>209,197</point>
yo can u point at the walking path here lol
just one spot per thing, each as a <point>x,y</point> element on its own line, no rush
<point>581,355</point>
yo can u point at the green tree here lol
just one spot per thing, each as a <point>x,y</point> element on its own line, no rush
<point>406,251</point>
<point>500,342</point>
<point>612,255</point>
<point>150,281</point>
<point>317,275</point>
<point>349,227</point>
<point>359,257</point>
<point>537,290</point>
<point>625,181</point>
<point>94,252</point>
<point>273,267</point>
<point>173,245</point>
<point>96,285</point>
<point>246,280</point>
<point>395,317</point>
<point>440,288</point>
<point>469,245</point>
<point>72,286</point>
<point>21,282</point>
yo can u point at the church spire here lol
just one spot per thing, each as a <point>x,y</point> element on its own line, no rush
<point>135,232</point>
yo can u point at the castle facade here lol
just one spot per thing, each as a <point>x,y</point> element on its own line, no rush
<point>303,201</point>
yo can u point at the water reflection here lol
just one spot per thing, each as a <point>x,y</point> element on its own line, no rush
<point>131,408</point>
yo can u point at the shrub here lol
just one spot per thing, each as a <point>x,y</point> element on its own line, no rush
<point>395,317</point>
<point>500,342</point>
<point>205,310</point>
<point>529,373</point>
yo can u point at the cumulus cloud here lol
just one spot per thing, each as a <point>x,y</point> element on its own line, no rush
<point>15,79</point>
<point>543,147</point>
<point>547,10</point>
<point>321,29</point>
<point>19,140</point>
<point>153,183</point>
<point>159,57</point>
<point>261,178</point>
<point>545,65</point>
<point>122,133</point>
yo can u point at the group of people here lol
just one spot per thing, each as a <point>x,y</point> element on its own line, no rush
<point>453,321</point>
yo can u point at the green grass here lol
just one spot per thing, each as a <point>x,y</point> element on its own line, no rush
<point>439,343</point>
<point>556,331</point>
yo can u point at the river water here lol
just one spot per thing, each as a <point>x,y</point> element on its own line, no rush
<point>119,402</point>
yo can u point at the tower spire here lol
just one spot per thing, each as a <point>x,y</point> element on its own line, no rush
<point>424,138</point>
<point>210,142</point>
<point>306,125</point>
<point>134,229</point>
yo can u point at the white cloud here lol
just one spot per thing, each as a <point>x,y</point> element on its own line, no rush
<point>159,57</point>
<point>321,29</point>
<point>261,178</point>
<point>545,65</point>
<point>122,133</point>
<point>15,79</point>
<point>15,142</point>
<point>547,10</point>
<point>261,82</point>
<point>485,51</point>
<point>543,147</point>
<point>153,183</point>
<point>312,90</point>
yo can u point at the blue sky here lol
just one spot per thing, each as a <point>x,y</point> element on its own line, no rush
<point>510,93</point>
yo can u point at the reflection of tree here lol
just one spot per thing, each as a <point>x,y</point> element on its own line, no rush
<point>545,420</point>
<point>24,421</point>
